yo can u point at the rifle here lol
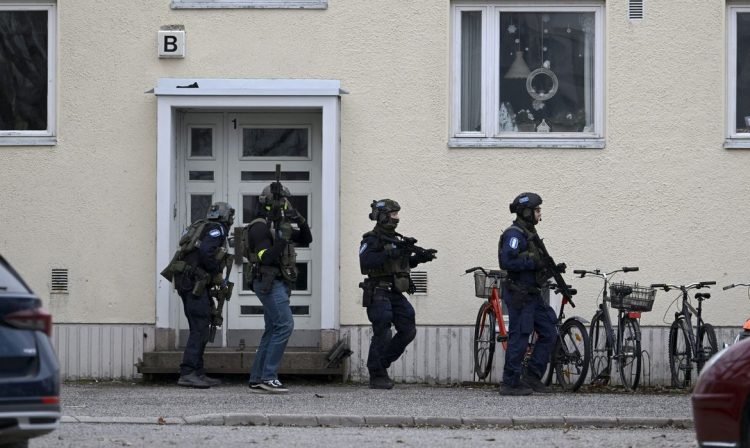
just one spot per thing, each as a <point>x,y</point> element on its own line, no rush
<point>552,269</point>
<point>276,191</point>
<point>222,293</point>
<point>408,244</point>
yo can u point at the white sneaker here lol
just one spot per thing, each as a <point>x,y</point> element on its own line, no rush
<point>274,387</point>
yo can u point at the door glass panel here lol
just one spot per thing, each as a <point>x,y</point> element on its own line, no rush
<point>271,175</point>
<point>297,310</point>
<point>201,175</point>
<point>275,142</point>
<point>201,142</point>
<point>199,205</point>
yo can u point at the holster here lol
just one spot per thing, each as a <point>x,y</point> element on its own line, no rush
<point>368,292</point>
<point>521,295</point>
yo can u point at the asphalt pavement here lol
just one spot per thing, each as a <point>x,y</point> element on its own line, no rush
<point>310,404</point>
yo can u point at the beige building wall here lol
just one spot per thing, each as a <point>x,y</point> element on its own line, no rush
<point>663,194</point>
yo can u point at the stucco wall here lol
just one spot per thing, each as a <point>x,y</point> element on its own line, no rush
<point>663,194</point>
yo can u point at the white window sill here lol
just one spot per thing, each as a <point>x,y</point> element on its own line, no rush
<point>27,141</point>
<point>268,4</point>
<point>552,143</point>
<point>737,143</point>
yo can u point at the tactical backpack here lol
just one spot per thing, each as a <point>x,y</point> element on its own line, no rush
<point>189,241</point>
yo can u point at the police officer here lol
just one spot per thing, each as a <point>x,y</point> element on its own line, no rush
<point>386,257</point>
<point>270,239</point>
<point>204,263</point>
<point>527,311</point>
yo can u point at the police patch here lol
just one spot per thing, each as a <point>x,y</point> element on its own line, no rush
<point>513,243</point>
<point>215,233</point>
<point>362,248</point>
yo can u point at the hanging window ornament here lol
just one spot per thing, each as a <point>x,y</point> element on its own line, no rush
<point>537,104</point>
<point>512,29</point>
<point>544,70</point>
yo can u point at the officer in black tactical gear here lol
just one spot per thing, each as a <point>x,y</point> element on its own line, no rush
<point>386,257</point>
<point>270,239</point>
<point>527,311</point>
<point>203,249</point>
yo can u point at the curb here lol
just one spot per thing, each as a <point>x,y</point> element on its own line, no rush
<point>302,420</point>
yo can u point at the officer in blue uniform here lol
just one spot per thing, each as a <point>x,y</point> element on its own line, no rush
<point>527,311</point>
<point>205,265</point>
<point>386,257</point>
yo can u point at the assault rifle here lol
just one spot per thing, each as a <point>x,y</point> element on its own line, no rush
<point>277,192</point>
<point>554,270</point>
<point>408,244</point>
<point>222,293</point>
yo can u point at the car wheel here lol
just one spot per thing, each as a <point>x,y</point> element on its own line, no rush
<point>745,426</point>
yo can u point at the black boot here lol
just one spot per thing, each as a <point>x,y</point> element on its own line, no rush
<point>380,380</point>
<point>519,390</point>
<point>536,384</point>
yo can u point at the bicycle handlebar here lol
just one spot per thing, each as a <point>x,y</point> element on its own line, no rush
<point>629,268</point>
<point>667,287</point>
<point>734,285</point>
<point>476,268</point>
<point>598,272</point>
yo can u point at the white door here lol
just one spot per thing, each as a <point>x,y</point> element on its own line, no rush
<point>232,156</point>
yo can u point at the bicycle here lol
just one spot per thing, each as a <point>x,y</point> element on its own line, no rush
<point>746,326</point>
<point>682,340</point>
<point>624,347</point>
<point>570,355</point>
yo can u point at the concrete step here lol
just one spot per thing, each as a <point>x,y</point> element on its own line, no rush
<point>296,361</point>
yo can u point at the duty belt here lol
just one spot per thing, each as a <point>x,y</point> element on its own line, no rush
<point>515,287</point>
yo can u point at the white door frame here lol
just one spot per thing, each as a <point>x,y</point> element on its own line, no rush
<point>212,94</point>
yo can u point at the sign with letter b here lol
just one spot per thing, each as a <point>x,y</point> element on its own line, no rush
<point>172,44</point>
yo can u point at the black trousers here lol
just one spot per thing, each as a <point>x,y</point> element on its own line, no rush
<point>389,308</point>
<point>198,314</point>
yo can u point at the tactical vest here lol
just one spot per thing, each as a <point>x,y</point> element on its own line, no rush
<point>531,247</point>
<point>287,262</point>
<point>189,241</point>
<point>395,270</point>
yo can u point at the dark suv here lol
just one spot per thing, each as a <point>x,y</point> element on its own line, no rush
<point>29,370</point>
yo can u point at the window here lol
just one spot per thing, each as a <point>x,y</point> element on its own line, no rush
<point>738,76</point>
<point>27,80</point>
<point>527,75</point>
<point>274,4</point>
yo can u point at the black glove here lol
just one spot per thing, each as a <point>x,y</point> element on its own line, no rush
<point>295,216</point>
<point>561,267</point>
<point>426,255</point>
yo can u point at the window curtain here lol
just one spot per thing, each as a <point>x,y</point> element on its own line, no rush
<point>471,71</point>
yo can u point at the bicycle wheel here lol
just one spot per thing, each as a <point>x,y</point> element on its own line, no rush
<point>629,353</point>
<point>601,351</point>
<point>680,357</point>
<point>706,344</point>
<point>572,355</point>
<point>484,341</point>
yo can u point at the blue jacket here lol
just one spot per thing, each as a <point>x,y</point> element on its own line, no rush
<point>514,257</point>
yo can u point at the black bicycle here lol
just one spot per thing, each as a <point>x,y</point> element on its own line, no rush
<point>684,347</point>
<point>624,346</point>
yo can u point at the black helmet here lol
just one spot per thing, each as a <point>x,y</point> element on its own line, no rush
<point>524,204</point>
<point>221,212</point>
<point>381,213</point>
<point>266,197</point>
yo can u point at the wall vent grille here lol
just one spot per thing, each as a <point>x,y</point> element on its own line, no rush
<point>635,10</point>
<point>420,282</point>
<point>59,283</point>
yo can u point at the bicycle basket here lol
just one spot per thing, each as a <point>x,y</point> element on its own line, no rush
<point>483,283</point>
<point>631,297</point>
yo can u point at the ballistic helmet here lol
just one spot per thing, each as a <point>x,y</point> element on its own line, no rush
<point>266,196</point>
<point>381,213</point>
<point>221,212</point>
<point>524,204</point>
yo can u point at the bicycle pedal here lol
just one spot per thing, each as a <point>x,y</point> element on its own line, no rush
<point>502,338</point>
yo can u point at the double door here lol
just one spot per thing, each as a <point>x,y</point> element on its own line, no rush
<point>231,157</point>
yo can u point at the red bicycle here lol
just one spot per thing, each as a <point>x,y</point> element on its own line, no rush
<point>489,328</point>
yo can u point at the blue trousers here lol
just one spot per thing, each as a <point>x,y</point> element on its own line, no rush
<point>534,316</point>
<point>198,313</point>
<point>279,326</point>
<point>389,308</point>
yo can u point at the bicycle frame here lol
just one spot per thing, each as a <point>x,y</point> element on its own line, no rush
<point>686,312</point>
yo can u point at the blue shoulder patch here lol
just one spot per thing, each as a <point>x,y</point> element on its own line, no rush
<point>513,243</point>
<point>362,248</point>
<point>215,233</point>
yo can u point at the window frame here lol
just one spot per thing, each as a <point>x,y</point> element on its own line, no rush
<point>489,136</point>
<point>733,138</point>
<point>234,4</point>
<point>46,137</point>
